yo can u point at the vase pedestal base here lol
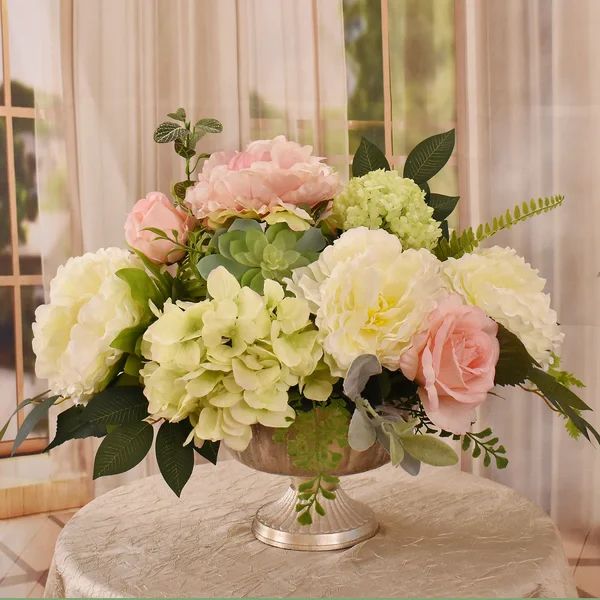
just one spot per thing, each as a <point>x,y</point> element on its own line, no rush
<point>346,522</point>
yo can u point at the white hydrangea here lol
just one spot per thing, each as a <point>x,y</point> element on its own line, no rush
<point>228,362</point>
<point>369,296</point>
<point>89,306</point>
<point>510,291</point>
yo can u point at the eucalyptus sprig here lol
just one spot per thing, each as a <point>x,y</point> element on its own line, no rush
<point>185,138</point>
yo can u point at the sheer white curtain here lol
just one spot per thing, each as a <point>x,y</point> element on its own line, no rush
<point>529,99</point>
<point>262,67</point>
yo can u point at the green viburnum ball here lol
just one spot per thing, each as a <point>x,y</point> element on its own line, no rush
<point>385,200</point>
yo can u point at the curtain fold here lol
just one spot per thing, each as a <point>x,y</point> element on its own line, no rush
<point>528,99</point>
<point>262,67</point>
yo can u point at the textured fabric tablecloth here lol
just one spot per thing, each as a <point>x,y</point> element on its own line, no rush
<point>443,534</point>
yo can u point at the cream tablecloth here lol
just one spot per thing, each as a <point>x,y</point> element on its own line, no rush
<point>444,533</point>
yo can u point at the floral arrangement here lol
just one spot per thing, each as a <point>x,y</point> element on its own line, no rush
<point>266,292</point>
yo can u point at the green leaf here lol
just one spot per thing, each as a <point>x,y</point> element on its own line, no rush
<point>175,461</point>
<point>361,433</point>
<point>71,425</point>
<point>312,240</point>
<point>20,406</point>
<point>212,261</point>
<point>246,225</point>
<point>429,449</point>
<point>183,149</point>
<point>117,405</point>
<point>368,157</point>
<point>208,126</point>
<point>319,509</point>
<point>141,286</point>
<point>429,156</point>
<point>169,132</point>
<point>501,462</point>
<point>514,361</point>
<point>180,188</point>
<point>209,450</point>
<point>466,442</point>
<point>363,367</point>
<point>305,518</point>
<point>442,205</point>
<point>178,115</point>
<point>132,365</point>
<point>123,449</point>
<point>555,391</point>
<point>127,339</point>
<point>38,412</point>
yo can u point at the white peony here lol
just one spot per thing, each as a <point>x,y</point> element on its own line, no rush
<point>510,291</point>
<point>369,296</point>
<point>89,306</point>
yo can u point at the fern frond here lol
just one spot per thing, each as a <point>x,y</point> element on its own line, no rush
<point>469,239</point>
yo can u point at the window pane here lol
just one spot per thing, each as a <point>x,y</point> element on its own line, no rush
<point>364,59</point>
<point>31,298</point>
<point>5,249</point>
<point>8,385</point>
<point>27,200</point>
<point>374,132</point>
<point>422,67</point>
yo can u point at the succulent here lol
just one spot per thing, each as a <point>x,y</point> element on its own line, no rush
<point>252,254</point>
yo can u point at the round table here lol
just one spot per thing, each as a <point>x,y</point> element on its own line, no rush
<point>443,534</point>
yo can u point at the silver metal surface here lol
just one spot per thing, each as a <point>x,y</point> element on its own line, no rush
<point>263,454</point>
<point>346,522</point>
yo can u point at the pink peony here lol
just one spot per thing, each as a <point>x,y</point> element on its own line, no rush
<point>454,362</point>
<point>267,175</point>
<point>156,210</point>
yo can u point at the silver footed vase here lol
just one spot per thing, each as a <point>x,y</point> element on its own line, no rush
<point>346,521</point>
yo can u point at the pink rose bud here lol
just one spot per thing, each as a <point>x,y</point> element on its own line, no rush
<point>454,362</point>
<point>156,210</point>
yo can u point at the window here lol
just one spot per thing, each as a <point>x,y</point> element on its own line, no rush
<point>21,289</point>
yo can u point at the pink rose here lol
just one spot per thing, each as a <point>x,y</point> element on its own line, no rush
<point>266,175</point>
<point>454,362</point>
<point>156,210</point>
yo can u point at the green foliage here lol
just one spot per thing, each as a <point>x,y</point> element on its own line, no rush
<point>442,205</point>
<point>37,413</point>
<point>308,496</point>
<point>313,442</point>
<point>116,405</point>
<point>35,400</point>
<point>175,461</point>
<point>123,448</point>
<point>514,362</point>
<point>428,449</point>
<point>563,401</point>
<point>468,239</point>
<point>563,377</point>
<point>185,138</point>
<point>72,424</point>
<point>142,287</point>
<point>368,157</point>
<point>128,338</point>
<point>209,451</point>
<point>485,444</point>
<point>192,284</point>
<point>429,156</point>
<point>253,255</point>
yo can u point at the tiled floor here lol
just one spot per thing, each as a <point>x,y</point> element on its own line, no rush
<point>26,546</point>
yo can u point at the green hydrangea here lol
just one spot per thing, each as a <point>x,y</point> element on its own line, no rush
<point>385,200</point>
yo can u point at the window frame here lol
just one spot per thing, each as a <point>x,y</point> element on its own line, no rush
<point>16,281</point>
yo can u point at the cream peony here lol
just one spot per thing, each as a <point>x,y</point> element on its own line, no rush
<point>507,289</point>
<point>89,306</point>
<point>228,362</point>
<point>369,297</point>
